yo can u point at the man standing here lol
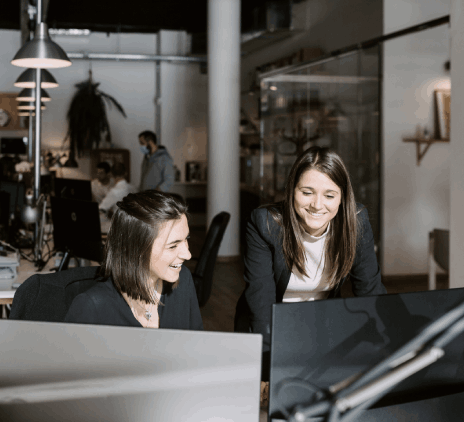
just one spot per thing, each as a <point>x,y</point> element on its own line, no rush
<point>103,183</point>
<point>157,166</point>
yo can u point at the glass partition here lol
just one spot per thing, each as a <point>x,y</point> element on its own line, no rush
<point>332,103</point>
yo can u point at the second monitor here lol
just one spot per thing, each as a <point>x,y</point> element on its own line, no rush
<point>73,189</point>
<point>76,228</point>
<point>323,343</point>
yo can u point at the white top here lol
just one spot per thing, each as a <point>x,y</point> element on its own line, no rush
<point>316,286</point>
<point>99,190</point>
<point>119,191</point>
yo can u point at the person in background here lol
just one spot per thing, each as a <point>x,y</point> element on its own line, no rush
<point>157,166</point>
<point>305,247</point>
<point>102,184</point>
<point>143,280</point>
<point>120,189</point>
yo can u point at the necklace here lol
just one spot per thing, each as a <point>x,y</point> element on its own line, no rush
<point>148,310</point>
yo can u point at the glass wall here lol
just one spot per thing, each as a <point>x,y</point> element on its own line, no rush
<point>333,103</point>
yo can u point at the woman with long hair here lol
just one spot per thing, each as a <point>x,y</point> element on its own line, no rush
<point>305,247</point>
<point>144,283</point>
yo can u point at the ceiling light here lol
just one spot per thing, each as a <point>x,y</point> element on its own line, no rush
<point>29,106</point>
<point>25,113</point>
<point>27,79</point>
<point>41,52</point>
<point>273,88</point>
<point>28,94</point>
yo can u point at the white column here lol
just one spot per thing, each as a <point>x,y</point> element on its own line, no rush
<point>457,146</point>
<point>224,118</point>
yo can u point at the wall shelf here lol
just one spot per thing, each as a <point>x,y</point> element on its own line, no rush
<point>422,146</point>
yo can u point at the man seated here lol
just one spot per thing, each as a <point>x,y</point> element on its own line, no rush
<point>103,183</point>
<point>118,191</point>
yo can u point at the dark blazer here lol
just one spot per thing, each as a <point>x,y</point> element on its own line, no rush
<point>104,305</point>
<point>267,274</point>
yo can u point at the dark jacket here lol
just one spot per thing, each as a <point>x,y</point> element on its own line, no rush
<point>157,171</point>
<point>267,274</point>
<point>104,305</point>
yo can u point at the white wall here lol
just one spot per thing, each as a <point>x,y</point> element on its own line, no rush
<point>184,106</point>
<point>132,84</point>
<point>416,199</point>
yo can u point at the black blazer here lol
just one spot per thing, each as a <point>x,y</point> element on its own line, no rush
<point>103,304</point>
<point>267,274</point>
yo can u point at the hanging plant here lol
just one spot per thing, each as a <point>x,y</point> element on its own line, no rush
<point>87,118</point>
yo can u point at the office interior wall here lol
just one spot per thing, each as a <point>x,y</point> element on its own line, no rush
<point>184,103</point>
<point>132,84</point>
<point>416,199</point>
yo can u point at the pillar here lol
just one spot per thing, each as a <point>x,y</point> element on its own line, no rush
<point>224,119</point>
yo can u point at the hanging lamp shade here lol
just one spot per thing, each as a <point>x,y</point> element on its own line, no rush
<point>28,94</point>
<point>41,52</point>
<point>27,79</point>
<point>71,162</point>
<point>29,105</point>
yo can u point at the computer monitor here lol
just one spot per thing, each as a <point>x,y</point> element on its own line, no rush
<point>15,146</point>
<point>4,208</point>
<point>76,228</point>
<point>74,372</point>
<point>16,191</point>
<point>325,342</point>
<point>73,189</point>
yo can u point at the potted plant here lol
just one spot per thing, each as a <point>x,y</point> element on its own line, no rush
<point>87,118</point>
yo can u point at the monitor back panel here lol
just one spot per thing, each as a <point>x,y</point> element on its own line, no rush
<point>76,226</point>
<point>4,208</point>
<point>325,342</point>
<point>73,189</point>
<point>196,376</point>
<point>16,146</point>
<point>17,193</point>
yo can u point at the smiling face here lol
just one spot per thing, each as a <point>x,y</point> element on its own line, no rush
<point>170,249</point>
<point>316,201</point>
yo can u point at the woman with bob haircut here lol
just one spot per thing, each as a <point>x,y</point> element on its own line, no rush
<point>304,247</point>
<point>143,282</point>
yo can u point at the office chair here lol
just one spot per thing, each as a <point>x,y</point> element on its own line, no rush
<point>47,297</point>
<point>203,273</point>
<point>438,254</point>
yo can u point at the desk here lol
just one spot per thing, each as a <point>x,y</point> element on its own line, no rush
<point>6,297</point>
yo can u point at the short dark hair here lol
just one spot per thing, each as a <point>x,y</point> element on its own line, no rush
<point>118,170</point>
<point>134,227</point>
<point>148,135</point>
<point>104,166</point>
<point>340,248</point>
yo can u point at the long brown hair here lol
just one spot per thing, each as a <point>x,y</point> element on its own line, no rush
<point>134,227</point>
<point>340,248</point>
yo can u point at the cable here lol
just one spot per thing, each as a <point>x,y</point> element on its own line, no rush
<point>16,250</point>
<point>292,382</point>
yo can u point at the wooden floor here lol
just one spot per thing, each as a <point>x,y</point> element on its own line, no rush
<point>218,313</point>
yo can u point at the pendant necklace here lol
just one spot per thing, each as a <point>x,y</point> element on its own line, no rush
<point>148,312</point>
